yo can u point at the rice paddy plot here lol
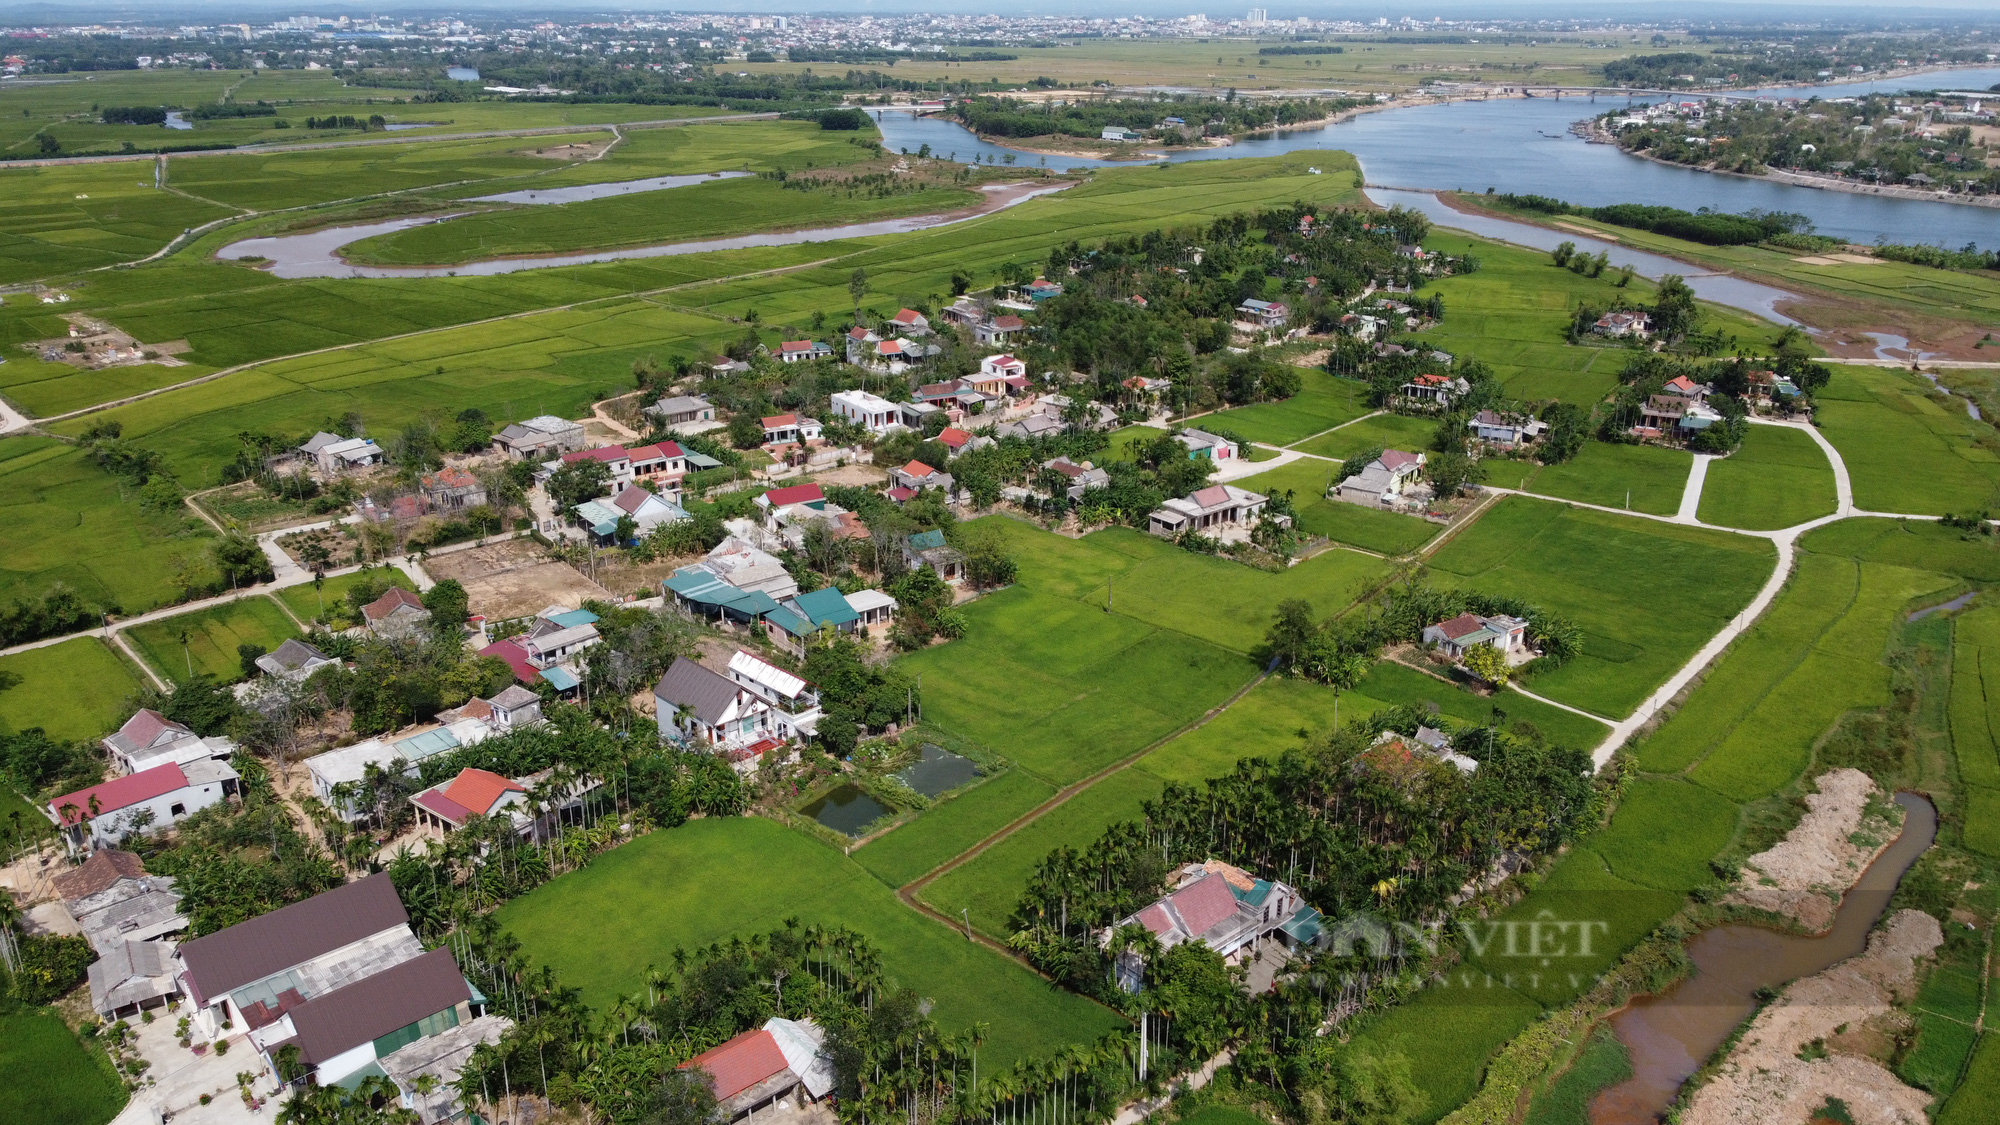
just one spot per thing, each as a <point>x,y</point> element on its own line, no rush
<point>987,887</point>
<point>1639,478</point>
<point>269,181</point>
<point>309,603</point>
<point>1779,478</point>
<point>46,692</point>
<point>944,831</point>
<point>1611,576</point>
<point>64,219</point>
<point>205,642</point>
<point>1406,432</point>
<point>53,1078</point>
<point>712,879</point>
<point>1906,449</point>
<point>1324,401</point>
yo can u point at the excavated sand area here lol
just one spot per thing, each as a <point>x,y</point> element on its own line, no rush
<point>1803,876</point>
<point>1765,1082</point>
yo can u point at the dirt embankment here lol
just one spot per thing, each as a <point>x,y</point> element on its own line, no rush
<point>1791,1060</point>
<point>1803,876</point>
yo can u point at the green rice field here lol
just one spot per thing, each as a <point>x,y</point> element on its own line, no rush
<point>205,641</point>
<point>1906,450</point>
<point>1779,478</point>
<point>1638,478</point>
<point>1371,529</point>
<point>46,695</point>
<point>711,879</point>
<point>1324,402</point>
<point>1410,433</point>
<point>52,1077</point>
<point>945,831</point>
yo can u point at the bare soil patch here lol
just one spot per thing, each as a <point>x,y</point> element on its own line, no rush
<point>577,150</point>
<point>1765,1080</point>
<point>513,579</point>
<point>1803,876</point>
<point>859,475</point>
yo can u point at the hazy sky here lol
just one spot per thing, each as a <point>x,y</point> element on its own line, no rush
<point>1868,10</point>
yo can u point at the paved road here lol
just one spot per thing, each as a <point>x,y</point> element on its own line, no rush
<point>1691,495</point>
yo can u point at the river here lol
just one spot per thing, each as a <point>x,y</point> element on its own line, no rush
<point>1671,1035</point>
<point>1523,145</point>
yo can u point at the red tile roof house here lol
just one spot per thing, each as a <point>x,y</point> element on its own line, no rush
<point>757,1069</point>
<point>447,806</point>
<point>1460,634</point>
<point>918,476</point>
<point>1221,906</point>
<point>103,815</point>
<point>910,322</point>
<point>450,489</point>
<point>397,613</point>
<point>792,351</point>
<point>780,429</point>
<point>778,499</point>
<point>665,462</point>
<point>614,457</point>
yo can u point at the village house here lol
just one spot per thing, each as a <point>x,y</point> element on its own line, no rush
<point>1674,417</point>
<point>796,351</point>
<point>1226,909</point>
<point>1428,741</point>
<point>397,613</point>
<point>1507,430</point>
<point>663,463</point>
<point>957,441</point>
<point>778,499</point>
<point>747,568</point>
<point>861,345</point>
<point>337,774</point>
<point>451,489</point>
<point>130,919</point>
<point>1432,390</point>
<point>1042,289</point>
<point>794,701</point>
<point>909,322</point>
<point>531,813</point>
<point>515,706</point>
<point>1146,390</point>
<point>294,661</point>
<point>539,438</point>
<point>693,703</point>
<point>1459,634</point>
<point>917,476</point>
<point>105,814</point>
<point>1265,316</point>
<point>613,457</point>
<point>1031,426</point>
<point>1082,477</point>
<point>999,330</point>
<point>801,619</point>
<point>149,739</point>
<point>929,548</point>
<point>1382,480</point>
<point>783,1062</point>
<point>723,366</point>
<point>780,429</point>
<point>340,976</point>
<point>1618,325</point>
<point>1214,508</point>
<point>870,412</point>
<point>1201,443</point>
<point>963,313</point>
<point>646,509</point>
<point>557,635</point>
<point>682,410</point>
<point>872,609</point>
<point>997,375</point>
<point>335,454</point>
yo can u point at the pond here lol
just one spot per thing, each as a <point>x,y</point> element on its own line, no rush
<point>847,810</point>
<point>939,771</point>
<point>461,74</point>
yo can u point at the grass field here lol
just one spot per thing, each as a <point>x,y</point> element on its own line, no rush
<point>711,879</point>
<point>1779,478</point>
<point>1905,450</point>
<point>946,830</point>
<point>1383,431</point>
<point>1324,402</point>
<point>1612,576</point>
<point>1603,1063</point>
<point>211,638</point>
<point>1371,529</point>
<point>1975,739</point>
<point>46,696</point>
<point>62,519</point>
<point>1640,478</point>
<point>1977,1099</point>
<point>52,1078</point>
<point>986,887</point>
<point>306,603</point>
<point>64,219</point>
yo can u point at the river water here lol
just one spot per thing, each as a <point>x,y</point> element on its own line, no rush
<point>1670,1036</point>
<point>1522,145</point>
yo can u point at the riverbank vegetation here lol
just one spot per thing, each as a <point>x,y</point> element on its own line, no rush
<point>1182,119</point>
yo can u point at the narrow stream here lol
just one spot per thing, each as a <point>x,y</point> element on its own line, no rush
<point>1670,1035</point>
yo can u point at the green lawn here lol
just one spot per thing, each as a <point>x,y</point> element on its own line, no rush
<point>946,830</point>
<point>63,519</point>
<point>1383,431</point>
<point>47,694</point>
<point>987,887</point>
<point>1646,594</point>
<point>211,637</point>
<point>712,879</point>
<point>1325,401</point>
<point>1641,478</point>
<point>1371,529</point>
<point>1779,478</point>
<point>52,1078</point>
<point>1905,450</point>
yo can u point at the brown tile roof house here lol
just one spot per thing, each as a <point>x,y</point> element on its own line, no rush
<point>97,874</point>
<point>397,611</point>
<point>450,488</point>
<point>378,1006</point>
<point>290,935</point>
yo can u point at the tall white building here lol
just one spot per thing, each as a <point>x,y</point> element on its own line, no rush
<point>1257,17</point>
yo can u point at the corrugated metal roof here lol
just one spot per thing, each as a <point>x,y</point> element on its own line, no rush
<point>740,1063</point>
<point>290,935</point>
<point>375,1006</point>
<point>119,793</point>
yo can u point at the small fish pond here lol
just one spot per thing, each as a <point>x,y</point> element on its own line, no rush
<point>850,810</point>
